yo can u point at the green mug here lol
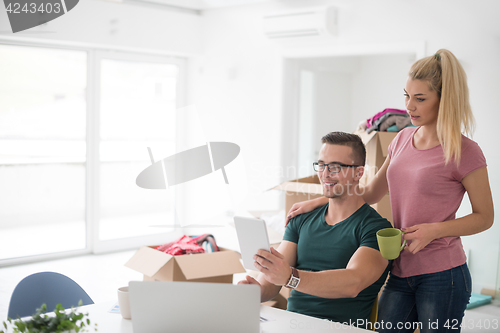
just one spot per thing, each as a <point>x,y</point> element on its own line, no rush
<point>389,242</point>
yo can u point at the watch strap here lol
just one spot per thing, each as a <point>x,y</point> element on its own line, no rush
<point>294,280</point>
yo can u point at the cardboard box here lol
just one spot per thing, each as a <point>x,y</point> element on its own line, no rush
<point>201,267</point>
<point>383,207</point>
<point>309,188</point>
<point>280,300</point>
<point>377,145</point>
<point>299,190</point>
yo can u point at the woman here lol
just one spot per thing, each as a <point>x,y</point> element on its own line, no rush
<point>427,171</point>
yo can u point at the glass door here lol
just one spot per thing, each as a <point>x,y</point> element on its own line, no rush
<point>42,152</point>
<point>138,98</point>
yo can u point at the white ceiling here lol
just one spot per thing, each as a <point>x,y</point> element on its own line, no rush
<point>204,4</point>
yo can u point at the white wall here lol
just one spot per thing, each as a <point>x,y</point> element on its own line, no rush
<point>236,86</point>
<point>239,81</point>
<point>351,89</point>
<point>334,105</point>
<point>378,84</point>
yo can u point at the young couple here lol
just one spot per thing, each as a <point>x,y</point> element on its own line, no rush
<point>329,254</point>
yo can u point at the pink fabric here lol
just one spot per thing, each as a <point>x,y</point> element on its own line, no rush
<point>423,190</point>
<point>184,245</point>
<point>370,121</point>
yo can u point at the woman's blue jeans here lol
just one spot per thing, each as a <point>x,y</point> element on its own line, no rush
<point>436,302</point>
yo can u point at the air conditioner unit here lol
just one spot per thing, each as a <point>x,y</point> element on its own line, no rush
<point>301,23</point>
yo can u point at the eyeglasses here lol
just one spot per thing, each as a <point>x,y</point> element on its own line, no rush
<point>332,167</point>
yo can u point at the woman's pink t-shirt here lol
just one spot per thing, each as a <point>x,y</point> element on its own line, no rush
<point>425,190</point>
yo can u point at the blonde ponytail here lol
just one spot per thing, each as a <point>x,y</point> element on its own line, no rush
<point>446,76</point>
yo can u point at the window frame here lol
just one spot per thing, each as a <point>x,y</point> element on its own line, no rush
<point>96,53</point>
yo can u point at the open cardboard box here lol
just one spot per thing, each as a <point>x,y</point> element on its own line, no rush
<point>308,188</point>
<point>201,267</point>
<point>299,190</point>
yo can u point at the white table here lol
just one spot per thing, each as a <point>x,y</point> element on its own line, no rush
<point>280,321</point>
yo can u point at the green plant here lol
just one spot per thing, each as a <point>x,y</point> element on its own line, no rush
<point>40,322</point>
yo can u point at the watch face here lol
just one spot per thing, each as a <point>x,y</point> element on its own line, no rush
<point>294,282</point>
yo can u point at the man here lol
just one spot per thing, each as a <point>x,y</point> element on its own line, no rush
<point>329,257</point>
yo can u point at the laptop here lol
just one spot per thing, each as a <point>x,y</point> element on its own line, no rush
<point>161,306</point>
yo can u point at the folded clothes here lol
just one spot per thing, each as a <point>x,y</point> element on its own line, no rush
<point>394,128</point>
<point>371,121</point>
<point>376,125</point>
<point>400,122</point>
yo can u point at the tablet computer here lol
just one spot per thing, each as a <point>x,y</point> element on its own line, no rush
<point>252,236</point>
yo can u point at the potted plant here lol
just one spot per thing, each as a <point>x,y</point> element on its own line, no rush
<point>60,322</point>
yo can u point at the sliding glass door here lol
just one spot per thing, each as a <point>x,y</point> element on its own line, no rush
<point>42,151</point>
<point>75,127</point>
<point>137,119</point>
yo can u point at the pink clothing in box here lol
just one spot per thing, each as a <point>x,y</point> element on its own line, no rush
<point>424,190</point>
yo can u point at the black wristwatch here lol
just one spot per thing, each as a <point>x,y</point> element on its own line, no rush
<point>294,279</point>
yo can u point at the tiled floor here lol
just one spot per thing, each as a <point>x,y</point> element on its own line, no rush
<point>101,275</point>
